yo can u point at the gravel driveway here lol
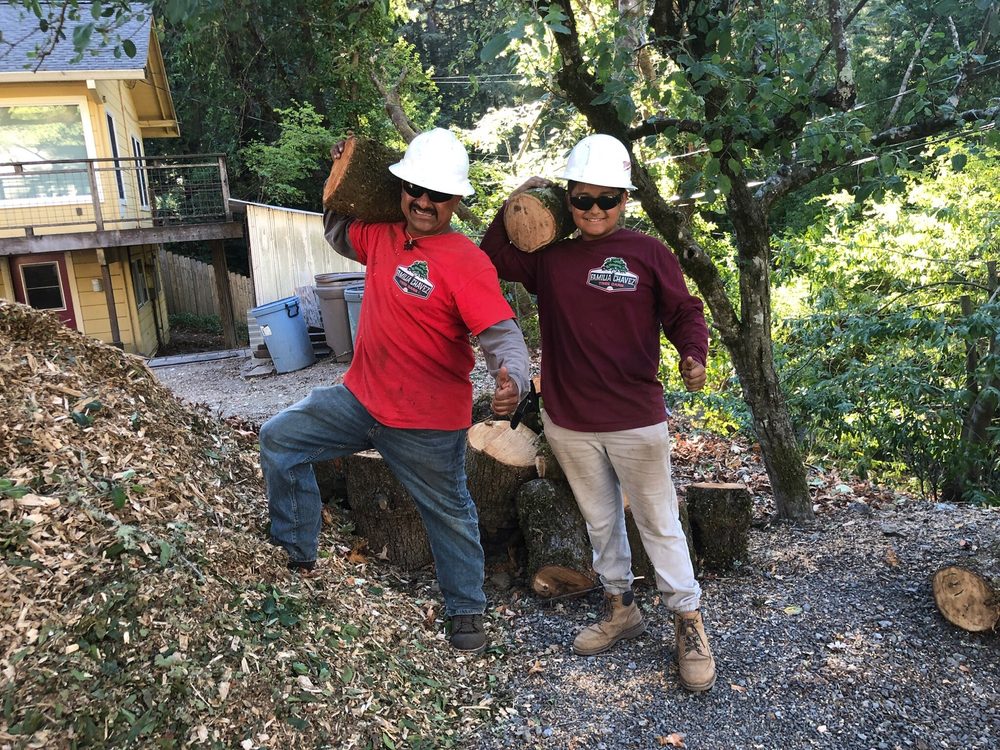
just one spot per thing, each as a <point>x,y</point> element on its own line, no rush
<point>829,638</point>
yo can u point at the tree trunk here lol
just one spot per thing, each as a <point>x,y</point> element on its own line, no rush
<point>752,352</point>
<point>555,535</point>
<point>536,218</point>
<point>384,513</point>
<point>360,184</point>
<point>498,461</point>
<point>967,598</point>
<point>720,517</point>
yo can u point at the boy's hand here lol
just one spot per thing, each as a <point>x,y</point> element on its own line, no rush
<point>506,396</point>
<point>337,149</point>
<point>693,374</point>
<point>532,182</point>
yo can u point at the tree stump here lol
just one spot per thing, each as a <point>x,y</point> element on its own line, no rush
<point>331,480</point>
<point>360,184</point>
<point>384,513</point>
<point>720,517</point>
<point>641,564</point>
<point>497,462</point>
<point>536,218</point>
<point>546,464</point>
<point>967,598</point>
<point>555,535</point>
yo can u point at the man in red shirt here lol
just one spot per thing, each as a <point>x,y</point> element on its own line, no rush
<point>603,297</point>
<point>407,392</point>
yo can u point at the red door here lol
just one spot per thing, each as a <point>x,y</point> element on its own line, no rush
<point>42,281</point>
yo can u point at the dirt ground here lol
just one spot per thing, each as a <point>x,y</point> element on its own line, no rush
<point>219,386</point>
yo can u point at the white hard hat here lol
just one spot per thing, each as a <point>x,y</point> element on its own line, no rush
<point>600,160</point>
<point>436,160</point>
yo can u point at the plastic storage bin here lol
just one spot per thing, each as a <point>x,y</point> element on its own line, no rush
<point>333,310</point>
<point>285,333</point>
<point>352,296</point>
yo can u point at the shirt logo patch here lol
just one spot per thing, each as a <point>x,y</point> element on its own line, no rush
<point>613,276</point>
<point>413,279</point>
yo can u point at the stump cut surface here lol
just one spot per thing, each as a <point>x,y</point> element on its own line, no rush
<point>967,599</point>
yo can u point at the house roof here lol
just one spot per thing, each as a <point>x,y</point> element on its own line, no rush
<point>23,40</point>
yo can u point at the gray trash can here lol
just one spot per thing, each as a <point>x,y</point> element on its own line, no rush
<point>353,296</point>
<point>333,309</point>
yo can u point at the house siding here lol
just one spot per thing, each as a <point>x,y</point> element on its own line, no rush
<point>289,250</point>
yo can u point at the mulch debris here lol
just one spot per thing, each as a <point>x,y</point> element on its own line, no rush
<point>142,605</point>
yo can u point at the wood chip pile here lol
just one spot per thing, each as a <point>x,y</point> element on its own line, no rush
<point>141,604</point>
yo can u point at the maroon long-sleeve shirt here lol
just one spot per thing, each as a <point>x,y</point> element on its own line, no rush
<point>601,304</point>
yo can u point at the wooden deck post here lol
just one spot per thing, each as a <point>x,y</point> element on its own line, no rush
<point>225,297</point>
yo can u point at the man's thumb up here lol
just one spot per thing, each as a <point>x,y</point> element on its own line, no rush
<point>506,395</point>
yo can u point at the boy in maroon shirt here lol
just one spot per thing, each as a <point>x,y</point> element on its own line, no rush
<point>603,297</point>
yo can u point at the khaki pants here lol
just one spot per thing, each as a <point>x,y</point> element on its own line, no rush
<point>600,466</point>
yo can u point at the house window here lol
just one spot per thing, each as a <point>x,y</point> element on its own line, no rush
<point>140,171</point>
<point>140,282</point>
<point>36,136</point>
<point>114,152</point>
<point>42,289</point>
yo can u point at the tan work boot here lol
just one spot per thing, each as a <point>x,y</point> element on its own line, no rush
<point>621,620</point>
<point>694,657</point>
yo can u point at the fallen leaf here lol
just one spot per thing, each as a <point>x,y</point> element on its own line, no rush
<point>891,558</point>
<point>536,667</point>
<point>738,688</point>
<point>793,609</point>
<point>675,739</point>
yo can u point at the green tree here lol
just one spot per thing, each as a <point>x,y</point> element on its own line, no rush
<point>752,104</point>
<point>285,168</point>
<point>892,361</point>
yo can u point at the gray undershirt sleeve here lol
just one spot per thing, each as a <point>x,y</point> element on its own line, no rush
<point>335,227</point>
<point>503,344</point>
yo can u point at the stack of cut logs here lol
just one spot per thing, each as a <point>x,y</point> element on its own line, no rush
<point>517,486</point>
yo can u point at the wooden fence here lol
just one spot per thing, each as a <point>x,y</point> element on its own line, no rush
<point>189,286</point>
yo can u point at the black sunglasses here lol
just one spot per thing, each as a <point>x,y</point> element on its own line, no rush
<point>604,202</point>
<point>436,196</point>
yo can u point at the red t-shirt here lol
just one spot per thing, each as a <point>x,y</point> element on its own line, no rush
<point>412,355</point>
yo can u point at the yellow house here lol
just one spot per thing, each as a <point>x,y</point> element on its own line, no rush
<point>83,209</point>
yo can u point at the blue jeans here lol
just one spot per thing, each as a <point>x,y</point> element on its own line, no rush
<point>430,464</point>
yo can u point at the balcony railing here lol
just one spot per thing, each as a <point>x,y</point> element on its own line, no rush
<point>54,197</point>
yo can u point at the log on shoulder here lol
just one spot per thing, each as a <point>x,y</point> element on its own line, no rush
<point>537,217</point>
<point>384,513</point>
<point>720,517</point>
<point>360,184</point>
<point>555,535</point>
<point>498,461</point>
<point>967,598</point>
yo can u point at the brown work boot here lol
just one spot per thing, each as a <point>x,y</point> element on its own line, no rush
<point>621,620</point>
<point>694,656</point>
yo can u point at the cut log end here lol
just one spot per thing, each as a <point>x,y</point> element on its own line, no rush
<point>536,218</point>
<point>510,447</point>
<point>555,580</point>
<point>966,599</point>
